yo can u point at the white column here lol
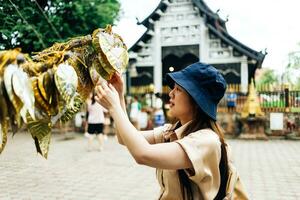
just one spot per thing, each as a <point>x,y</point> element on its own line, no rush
<point>203,49</point>
<point>244,76</point>
<point>157,60</point>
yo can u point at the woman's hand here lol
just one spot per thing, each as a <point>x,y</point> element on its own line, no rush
<point>107,96</point>
<point>117,82</point>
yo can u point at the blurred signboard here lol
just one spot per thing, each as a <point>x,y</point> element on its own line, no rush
<point>276,121</point>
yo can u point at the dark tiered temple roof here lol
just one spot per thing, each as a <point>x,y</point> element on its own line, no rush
<point>215,24</point>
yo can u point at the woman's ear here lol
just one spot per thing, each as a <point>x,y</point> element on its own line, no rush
<point>195,107</point>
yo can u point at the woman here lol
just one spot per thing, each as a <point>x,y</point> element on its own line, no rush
<point>135,111</point>
<point>190,155</point>
<point>95,122</point>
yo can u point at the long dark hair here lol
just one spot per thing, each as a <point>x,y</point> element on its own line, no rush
<point>202,121</point>
<point>93,98</point>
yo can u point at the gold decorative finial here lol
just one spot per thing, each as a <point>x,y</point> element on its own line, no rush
<point>252,107</point>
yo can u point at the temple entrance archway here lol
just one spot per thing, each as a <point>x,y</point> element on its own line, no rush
<point>176,58</point>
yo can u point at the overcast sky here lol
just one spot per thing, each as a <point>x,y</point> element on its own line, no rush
<point>259,24</point>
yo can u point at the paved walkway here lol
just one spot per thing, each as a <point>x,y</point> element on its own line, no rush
<point>269,169</point>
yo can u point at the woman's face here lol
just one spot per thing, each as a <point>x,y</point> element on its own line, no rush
<point>180,104</point>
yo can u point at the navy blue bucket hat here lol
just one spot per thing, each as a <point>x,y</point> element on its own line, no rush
<point>204,83</point>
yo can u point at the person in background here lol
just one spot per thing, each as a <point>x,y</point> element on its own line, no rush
<point>159,117</point>
<point>231,99</point>
<point>190,155</point>
<point>135,109</point>
<point>95,122</point>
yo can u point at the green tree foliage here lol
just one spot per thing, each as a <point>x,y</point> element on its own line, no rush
<point>268,77</point>
<point>292,71</point>
<point>36,24</point>
<point>294,59</point>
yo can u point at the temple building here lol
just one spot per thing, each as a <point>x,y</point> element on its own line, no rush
<point>181,32</point>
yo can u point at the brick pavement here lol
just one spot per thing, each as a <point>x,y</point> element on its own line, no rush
<point>269,169</point>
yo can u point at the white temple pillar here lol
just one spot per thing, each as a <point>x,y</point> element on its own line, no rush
<point>157,60</point>
<point>244,76</point>
<point>203,49</point>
